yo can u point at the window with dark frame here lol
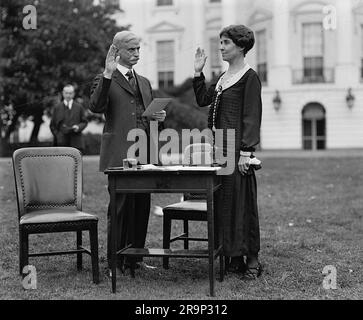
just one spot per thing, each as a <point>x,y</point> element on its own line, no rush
<point>165,79</point>
<point>313,69</point>
<point>313,52</point>
<point>165,63</point>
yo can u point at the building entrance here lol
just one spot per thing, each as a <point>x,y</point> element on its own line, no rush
<point>314,127</point>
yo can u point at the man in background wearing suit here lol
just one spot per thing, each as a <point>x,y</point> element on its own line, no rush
<point>122,95</point>
<point>68,121</point>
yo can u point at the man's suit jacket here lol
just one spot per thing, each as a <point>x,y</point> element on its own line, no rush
<point>115,98</point>
<point>61,129</point>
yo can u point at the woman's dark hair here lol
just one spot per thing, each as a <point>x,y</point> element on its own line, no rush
<point>241,36</point>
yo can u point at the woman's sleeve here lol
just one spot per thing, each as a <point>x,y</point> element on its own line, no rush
<point>203,96</point>
<point>252,114</point>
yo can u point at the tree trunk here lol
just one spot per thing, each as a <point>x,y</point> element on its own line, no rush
<point>4,148</point>
<point>38,120</point>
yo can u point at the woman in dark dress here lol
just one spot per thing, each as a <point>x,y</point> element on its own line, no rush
<point>235,103</point>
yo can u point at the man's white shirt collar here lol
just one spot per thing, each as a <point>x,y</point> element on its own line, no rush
<point>124,70</point>
<point>234,79</point>
<point>69,103</point>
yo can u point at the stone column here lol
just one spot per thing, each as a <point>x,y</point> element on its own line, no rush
<point>199,23</point>
<point>346,74</point>
<point>280,69</point>
<point>197,34</point>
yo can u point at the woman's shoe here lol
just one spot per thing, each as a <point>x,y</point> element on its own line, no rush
<point>252,273</point>
<point>236,265</point>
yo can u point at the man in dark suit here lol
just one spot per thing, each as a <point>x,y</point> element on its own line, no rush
<point>122,95</point>
<point>68,121</point>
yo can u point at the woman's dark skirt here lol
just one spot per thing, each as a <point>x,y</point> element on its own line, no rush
<point>237,203</point>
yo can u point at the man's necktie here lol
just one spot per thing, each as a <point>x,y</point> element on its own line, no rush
<point>68,111</point>
<point>132,80</point>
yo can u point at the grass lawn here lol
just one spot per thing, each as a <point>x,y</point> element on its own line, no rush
<point>310,216</point>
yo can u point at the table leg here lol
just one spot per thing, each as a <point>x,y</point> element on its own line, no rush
<point>113,232</point>
<point>219,235</point>
<point>210,215</point>
<point>219,221</point>
<point>131,234</point>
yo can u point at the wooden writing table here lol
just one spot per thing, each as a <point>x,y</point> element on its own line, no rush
<point>167,180</point>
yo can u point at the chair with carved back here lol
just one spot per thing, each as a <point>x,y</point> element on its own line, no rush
<point>49,185</point>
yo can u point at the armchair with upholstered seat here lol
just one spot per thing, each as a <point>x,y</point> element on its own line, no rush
<point>49,196</point>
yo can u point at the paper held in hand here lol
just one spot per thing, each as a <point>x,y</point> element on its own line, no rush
<point>156,105</point>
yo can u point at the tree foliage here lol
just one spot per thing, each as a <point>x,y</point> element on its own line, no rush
<point>69,45</point>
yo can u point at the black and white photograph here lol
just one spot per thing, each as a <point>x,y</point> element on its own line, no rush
<point>185,156</point>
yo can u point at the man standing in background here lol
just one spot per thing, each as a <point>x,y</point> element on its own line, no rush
<point>68,121</point>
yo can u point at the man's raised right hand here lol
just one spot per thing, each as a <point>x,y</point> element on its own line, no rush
<point>111,61</point>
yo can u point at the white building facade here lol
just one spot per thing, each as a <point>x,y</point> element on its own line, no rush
<point>308,54</point>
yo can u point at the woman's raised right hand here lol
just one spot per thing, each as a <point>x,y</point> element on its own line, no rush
<point>199,60</point>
